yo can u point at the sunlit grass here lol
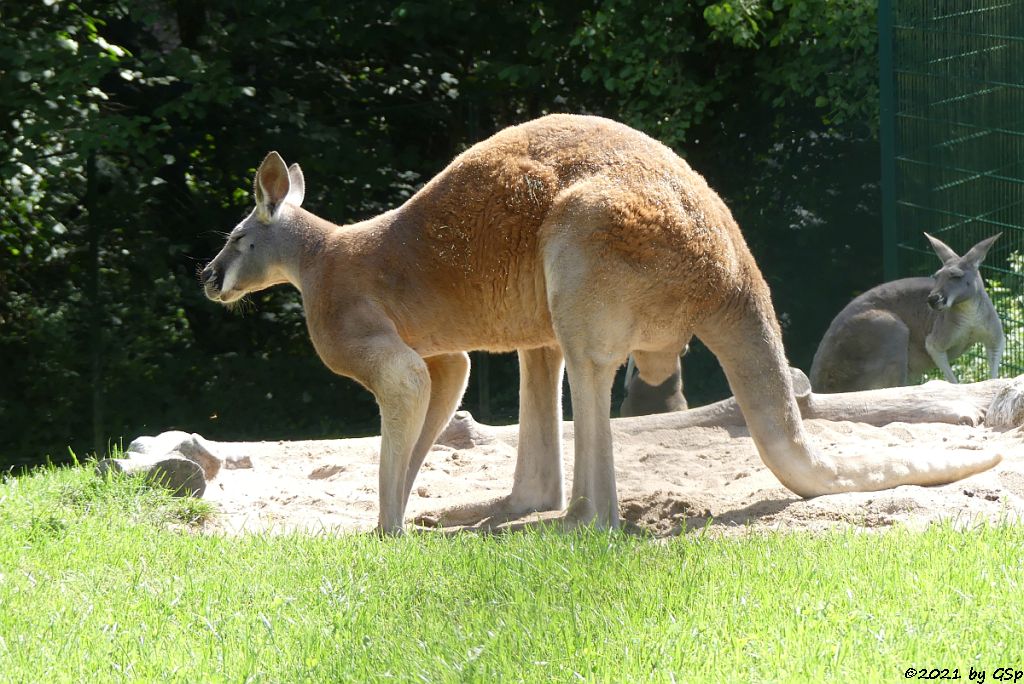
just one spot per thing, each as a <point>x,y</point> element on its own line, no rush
<point>106,581</point>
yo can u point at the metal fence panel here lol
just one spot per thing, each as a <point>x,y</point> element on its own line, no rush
<point>952,135</point>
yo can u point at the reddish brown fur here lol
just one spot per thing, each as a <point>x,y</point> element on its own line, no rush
<point>470,239</point>
<point>567,235</point>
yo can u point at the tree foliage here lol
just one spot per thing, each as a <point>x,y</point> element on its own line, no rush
<point>130,133</point>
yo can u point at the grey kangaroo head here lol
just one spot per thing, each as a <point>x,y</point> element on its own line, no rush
<point>958,280</point>
<point>252,258</point>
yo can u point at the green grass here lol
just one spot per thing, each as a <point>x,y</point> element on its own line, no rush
<point>104,581</point>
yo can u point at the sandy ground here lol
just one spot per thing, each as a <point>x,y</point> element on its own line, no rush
<point>670,481</point>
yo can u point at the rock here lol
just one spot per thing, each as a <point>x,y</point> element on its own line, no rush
<point>161,444</point>
<point>237,462</point>
<point>801,385</point>
<point>1007,407</point>
<point>183,476</point>
<point>198,449</point>
<point>192,446</point>
<point>464,433</point>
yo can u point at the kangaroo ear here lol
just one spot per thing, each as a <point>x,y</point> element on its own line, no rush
<point>298,186</point>
<point>978,252</point>
<point>272,184</point>
<point>946,254</point>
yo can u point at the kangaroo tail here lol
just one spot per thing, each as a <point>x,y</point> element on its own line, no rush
<point>746,339</point>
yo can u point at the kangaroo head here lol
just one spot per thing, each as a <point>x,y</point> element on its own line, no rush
<point>252,259</point>
<point>958,280</point>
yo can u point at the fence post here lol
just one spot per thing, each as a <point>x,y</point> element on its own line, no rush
<point>95,305</point>
<point>887,138</point>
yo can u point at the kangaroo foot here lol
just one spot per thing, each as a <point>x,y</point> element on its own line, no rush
<point>490,513</point>
<point>501,515</point>
<point>565,522</point>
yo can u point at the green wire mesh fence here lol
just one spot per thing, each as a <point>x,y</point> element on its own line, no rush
<point>952,134</point>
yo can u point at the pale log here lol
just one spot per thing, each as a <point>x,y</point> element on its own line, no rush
<point>936,401</point>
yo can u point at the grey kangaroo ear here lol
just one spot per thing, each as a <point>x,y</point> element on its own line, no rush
<point>298,186</point>
<point>978,252</point>
<point>272,184</point>
<point>945,253</point>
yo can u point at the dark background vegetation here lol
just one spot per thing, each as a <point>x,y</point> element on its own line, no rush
<point>131,130</point>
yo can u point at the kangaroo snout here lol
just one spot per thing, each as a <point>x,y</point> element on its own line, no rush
<point>936,301</point>
<point>213,281</point>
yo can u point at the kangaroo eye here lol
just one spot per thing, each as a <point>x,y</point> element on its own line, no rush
<point>252,245</point>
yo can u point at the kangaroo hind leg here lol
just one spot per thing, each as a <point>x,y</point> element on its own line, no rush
<point>878,352</point>
<point>870,351</point>
<point>538,481</point>
<point>591,373</point>
<point>595,328</point>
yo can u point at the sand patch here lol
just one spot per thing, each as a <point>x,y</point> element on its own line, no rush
<point>669,481</point>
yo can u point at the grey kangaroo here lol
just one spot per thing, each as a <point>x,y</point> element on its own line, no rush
<point>892,334</point>
<point>644,399</point>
